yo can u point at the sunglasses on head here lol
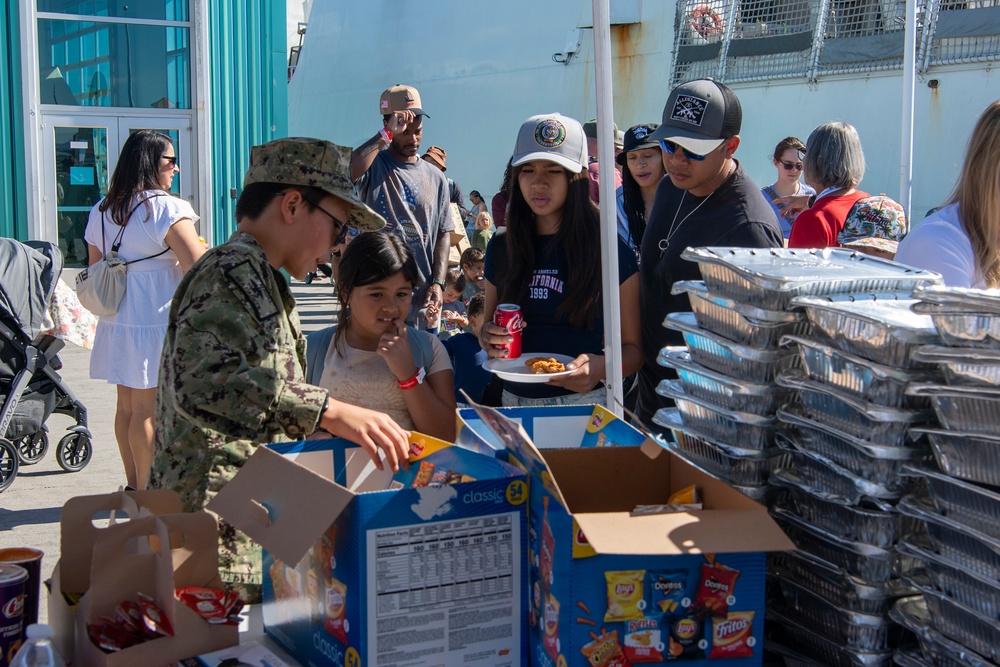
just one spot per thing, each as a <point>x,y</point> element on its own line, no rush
<point>344,229</point>
<point>791,166</point>
<point>671,148</point>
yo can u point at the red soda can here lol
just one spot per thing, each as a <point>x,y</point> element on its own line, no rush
<point>508,315</point>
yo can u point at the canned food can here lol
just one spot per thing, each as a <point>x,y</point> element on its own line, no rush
<point>508,316</point>
<point>31,560</point>
<point>13,579</point>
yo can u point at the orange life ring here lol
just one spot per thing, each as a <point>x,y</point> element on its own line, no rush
<point>706,21</point>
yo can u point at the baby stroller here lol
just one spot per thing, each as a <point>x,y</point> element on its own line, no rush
<point>31,388</point>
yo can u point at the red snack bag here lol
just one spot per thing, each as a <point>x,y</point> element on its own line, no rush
<point>732,637</point>
<point>644,641</point>
<point>336,610</point>
<point>153,618</point>
<point>547,548</point>
<point>211,604</point>
<point>129,616</point>
<point>717,585</point>
<point>605,651</point>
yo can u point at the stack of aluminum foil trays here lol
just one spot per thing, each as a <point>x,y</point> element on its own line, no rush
<point>786,357</point>
<point>956,516</point>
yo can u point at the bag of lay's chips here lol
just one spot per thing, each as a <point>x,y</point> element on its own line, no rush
<point>625,595</point>
<point>643,641</point>
<point>667,590</point>
<point>732,636</point>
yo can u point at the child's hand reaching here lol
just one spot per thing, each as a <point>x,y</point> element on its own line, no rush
<point>457,319</point>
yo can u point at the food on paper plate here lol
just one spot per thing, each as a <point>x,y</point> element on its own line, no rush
<point>539,365</point>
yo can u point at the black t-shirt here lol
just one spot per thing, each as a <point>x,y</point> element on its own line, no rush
<point>736,214</point>
<point>548,332</point>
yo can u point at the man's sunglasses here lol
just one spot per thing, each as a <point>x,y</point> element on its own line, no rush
<point>344,229</point>
<point>791,166</point>
<point>671,148</point>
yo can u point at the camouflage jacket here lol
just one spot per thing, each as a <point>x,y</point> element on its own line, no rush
<point>232,373</point>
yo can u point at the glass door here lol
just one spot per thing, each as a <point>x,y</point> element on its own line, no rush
<point>80,154</point>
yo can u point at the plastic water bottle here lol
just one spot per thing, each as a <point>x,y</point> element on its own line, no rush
<point>38,650</point>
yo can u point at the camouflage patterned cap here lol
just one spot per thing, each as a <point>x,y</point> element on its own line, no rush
<point>312,163</point>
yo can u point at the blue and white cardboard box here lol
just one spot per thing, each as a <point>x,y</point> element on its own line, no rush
<point>363,567</point>
<point>613,587</point>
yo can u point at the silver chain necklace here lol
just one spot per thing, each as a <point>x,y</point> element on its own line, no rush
<point>665,243</point>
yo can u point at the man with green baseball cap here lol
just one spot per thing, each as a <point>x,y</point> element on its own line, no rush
<point>232,373</point>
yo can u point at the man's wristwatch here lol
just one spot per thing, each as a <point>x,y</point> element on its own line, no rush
<point>439,283</point>
<point>418,378</point>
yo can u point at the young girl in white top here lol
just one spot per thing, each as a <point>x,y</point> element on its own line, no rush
<point>372,358</point>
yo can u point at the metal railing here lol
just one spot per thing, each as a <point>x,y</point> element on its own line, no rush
<point>764,40</point>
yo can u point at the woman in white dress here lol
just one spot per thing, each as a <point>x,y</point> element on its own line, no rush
<point>157,237</point>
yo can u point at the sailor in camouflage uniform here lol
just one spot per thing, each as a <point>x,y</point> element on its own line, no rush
<point>232,373</point>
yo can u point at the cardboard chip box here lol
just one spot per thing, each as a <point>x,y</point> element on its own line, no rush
<point>149,547</point>
<point>363,567</point>
<point>609,588</point>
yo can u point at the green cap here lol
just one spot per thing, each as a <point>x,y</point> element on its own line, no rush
<point>312,163</point>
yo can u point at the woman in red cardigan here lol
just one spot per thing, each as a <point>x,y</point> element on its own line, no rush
<point>834,165</point>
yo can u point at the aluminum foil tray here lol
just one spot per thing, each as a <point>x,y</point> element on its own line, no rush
<point>817,649</point>
<point>867,562</point>
<point>911,657</point>
<point>876,524</point>
<point>883,330</point>
<point>969,456</point>
<point>850,415</point>
<point>959,298</point>
<point>826,479</point>
<point>859,377</point>
<point>742,429</point>
<point>967,329</point>
<point>876,464</point>
<point>770,278</point>
<point>722,390</point>
<point>761,494</point>
<point>833,583</point>
<point>968,589</point>
<point>968,504</point>
<point>969,409</point>
<point>743,467</point>
<point>968,548</point>
<point>720,354</point>
<point>963,625</point>
<point>963,365</point>
<point>762,329</point>
<point>861,632</point>
<point>912,614</point>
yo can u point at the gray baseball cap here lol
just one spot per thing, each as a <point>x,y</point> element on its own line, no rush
<point>313,163</point>
<point>699,116</point>
<point>552,137</point>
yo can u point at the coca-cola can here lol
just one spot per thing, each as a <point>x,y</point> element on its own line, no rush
<point>508,316</point>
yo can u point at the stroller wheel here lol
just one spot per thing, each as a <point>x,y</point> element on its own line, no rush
<point>8,464</point>
<point>32,448</point>
<point>74,451</point>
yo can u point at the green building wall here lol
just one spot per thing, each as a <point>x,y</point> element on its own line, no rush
<point>13,202</point>
<point>248,61</point>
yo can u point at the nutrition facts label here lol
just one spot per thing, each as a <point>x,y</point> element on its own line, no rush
<point>451,579</point>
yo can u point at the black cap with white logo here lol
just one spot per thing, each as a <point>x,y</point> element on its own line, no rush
<point>700,115</point>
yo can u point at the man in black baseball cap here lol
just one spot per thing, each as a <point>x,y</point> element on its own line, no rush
<point>707,199</point>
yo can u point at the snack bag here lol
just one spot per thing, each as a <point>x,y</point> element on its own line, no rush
<point>424,474</point>
<point>625,595</point>
<point>605,651</point>
<point>547,548</point>
<point>336,610</point>
<point>732,637</point>
<point>643,641</point>
<point>667,588</point>
<point>551,623</point>
<point>687,496</point>
<point>686,635</point>
<point>717,585</point>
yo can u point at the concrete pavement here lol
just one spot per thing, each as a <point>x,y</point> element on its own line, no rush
<point>30,507</point>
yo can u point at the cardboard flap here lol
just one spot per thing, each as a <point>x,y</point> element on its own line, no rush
<point>281,505</point>
<point>158,501</point>
<point>714,531</point>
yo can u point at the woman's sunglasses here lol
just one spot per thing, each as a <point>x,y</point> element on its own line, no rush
<point>671,148</point>
<point>171,159</point>
<point>791,166</point>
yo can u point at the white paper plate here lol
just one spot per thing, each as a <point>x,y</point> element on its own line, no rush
<point>514,370</point>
